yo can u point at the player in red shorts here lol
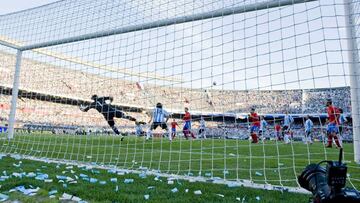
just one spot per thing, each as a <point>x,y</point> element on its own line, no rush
<point>187,125</point>
<point>277,131</point>
<point>173,128</point>
<point>333,125</point>
<point>255,125</point>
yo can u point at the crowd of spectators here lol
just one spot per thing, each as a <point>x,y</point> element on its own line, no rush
<point>81,84</point>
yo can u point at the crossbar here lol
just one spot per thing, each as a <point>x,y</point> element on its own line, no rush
<point>171,21</point>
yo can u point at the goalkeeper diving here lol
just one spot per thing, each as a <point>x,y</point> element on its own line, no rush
<point>103,106</point>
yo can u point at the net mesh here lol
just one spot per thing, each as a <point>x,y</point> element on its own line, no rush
<point>281,59</point>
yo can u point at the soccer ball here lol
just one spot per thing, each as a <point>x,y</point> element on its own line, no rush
<point>214,83</point>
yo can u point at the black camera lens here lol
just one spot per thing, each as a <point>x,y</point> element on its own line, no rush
<point>314,179</point>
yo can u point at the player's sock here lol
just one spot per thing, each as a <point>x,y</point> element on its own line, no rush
<point>254,138</point>
<point>192,135</point>
<point>116,131</point>
<point>169,135</point>
<point>329,141</point>
<point>148,134</point>
<point>337,141</point>
<point>185,134</point>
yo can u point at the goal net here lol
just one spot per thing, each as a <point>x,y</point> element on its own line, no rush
<point>82,82</point>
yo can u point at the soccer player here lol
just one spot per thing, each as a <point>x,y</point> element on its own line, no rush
<point>255,125</point>
<point>173,128</point>
<point>333,125</point>
<point>277,132</point>
<point>308,130</point>
<point>158,117</point>
<point>202,132</point>
<point>103,106</point>
<point>263,125</point>
<point>138,129</point>
<point>342,121</point>
<point>187,125</point>
<point>288,120</point>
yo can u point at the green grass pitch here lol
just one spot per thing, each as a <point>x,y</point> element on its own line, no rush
<point>269,162</point>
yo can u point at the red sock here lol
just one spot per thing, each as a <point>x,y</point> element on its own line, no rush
<point>254,137</point>
<point>193,136</point>
<point>329,140</point>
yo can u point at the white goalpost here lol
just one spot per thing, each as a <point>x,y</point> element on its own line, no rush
<point>88,76</point>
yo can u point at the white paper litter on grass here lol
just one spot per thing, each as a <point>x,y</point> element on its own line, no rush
<point>17,175</point>
<point>41,176</point>
<point>197,192</point>
<point>127,181</point>
<point>220,195</point>
<point>93,180</point>
<point>48,180</point>
<point>15,156</point>
<point>112,171</point>
<point>174,190</point>
<point>83,175</point>
<point>65,196</point>
<point>76,199</point>
<point>192,180</point>
<point>146,197</point>
<point>120,173</point>
<point>142,175</point>
<point>25,191</point>
<point>68,179</point>
<point>233,184</point>
<point>61,177</point>
<point>53,192</point>
<point>31,175</point>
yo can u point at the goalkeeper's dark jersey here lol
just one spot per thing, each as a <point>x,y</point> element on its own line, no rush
<point>101,106</point>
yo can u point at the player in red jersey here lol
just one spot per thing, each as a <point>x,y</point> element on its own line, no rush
<point>277,131</point>
<point>173,128</point>
<point>255,125</point>
<point>187,125</point>
<point>333,125</point>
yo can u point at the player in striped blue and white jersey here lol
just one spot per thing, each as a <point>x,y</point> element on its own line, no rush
<point>158,118</point>
<point>308,130</point>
